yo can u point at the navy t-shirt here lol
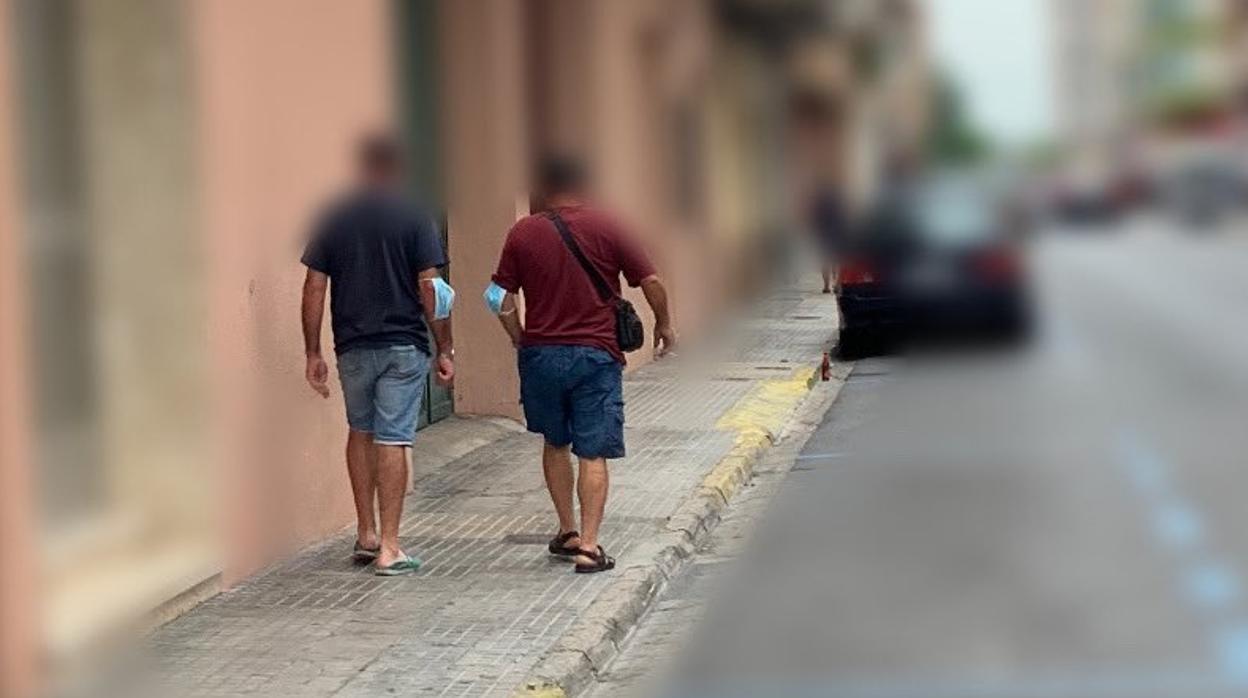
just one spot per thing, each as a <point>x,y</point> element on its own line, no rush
<point>372,245</point>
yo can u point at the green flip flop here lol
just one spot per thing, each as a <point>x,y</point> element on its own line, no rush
<point>398,568</point>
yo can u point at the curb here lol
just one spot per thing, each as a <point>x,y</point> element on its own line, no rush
<point>758,418</point>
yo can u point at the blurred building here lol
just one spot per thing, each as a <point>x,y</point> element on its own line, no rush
<point>1237,47</point>
<point>1185,67</point>
<point>159,164</point>
<point>1138,80</point>
<point>1097,44</point>
<point>861,92</point>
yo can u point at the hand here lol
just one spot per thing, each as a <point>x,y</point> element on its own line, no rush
<point>446,370</point>
<point>664,341</point>
<point>317,374</point>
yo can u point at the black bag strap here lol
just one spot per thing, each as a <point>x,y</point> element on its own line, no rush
<point>604,289</point>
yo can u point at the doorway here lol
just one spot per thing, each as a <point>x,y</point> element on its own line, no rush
<point>417,59</point>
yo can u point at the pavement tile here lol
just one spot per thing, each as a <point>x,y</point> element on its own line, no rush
<point>489,600</point>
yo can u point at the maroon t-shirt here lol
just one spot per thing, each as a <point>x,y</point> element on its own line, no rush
<point>561,305</point>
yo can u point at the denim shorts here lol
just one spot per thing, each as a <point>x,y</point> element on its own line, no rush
<point>574,395</point>
<point>383,388</point>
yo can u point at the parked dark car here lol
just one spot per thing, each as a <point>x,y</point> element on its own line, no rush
<point>935,262</point>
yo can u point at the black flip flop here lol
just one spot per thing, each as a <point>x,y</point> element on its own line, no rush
<point>559,545</point>
<point>602,562</point>
<point>362,556</point>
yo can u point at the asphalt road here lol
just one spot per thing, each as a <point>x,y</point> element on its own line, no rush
<point>1066,521</point>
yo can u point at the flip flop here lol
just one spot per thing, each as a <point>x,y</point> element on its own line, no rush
<point>559,545</point>
<point>362,556</point>
<point>398,568</point>
<point>602,562</point>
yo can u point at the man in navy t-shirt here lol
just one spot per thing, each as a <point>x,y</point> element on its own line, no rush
<point>379,258</point>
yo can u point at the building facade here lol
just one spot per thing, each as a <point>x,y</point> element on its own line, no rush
<point>159,165</point>
<point>1096,48</point>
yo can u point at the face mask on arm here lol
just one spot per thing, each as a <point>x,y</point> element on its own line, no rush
<point>494,296</point>
<point>444,299</point>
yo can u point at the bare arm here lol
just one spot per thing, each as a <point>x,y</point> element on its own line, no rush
<point>442,335</point>
<point>510,319</point>
<point>664,334</point>
<point>313,311</point>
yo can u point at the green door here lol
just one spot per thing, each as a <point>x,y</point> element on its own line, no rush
<point>417,50</point>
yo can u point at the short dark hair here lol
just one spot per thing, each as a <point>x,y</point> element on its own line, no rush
<point>379,154</point>
<point>560,173</point>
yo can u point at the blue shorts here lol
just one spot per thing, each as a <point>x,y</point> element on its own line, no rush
<point>574,395</point>
<point>383,389</point>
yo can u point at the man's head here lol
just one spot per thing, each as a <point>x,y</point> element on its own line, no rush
<point>561,175</point>
<point>379,158</point>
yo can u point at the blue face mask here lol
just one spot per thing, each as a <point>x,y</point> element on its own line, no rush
<point>444,297</point>
<point>494,296</point>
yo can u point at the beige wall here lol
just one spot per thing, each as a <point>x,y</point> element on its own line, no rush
<point>249,141</point>
<point>211,134</point>
<point>596,77</point>
<point>737,89</point>
<point>281,99</point>
<point>256,136</point>
<point>16,553</point>
<point>146,275</point>
<point>485,130</point>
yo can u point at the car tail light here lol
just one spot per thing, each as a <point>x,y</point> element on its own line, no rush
<point>998,265</point>
<point>855,272</point>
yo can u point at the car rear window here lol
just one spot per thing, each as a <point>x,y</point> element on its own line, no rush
<point>954,215</point>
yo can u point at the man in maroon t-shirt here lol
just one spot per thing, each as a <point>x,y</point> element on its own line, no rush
<point>570,363</point>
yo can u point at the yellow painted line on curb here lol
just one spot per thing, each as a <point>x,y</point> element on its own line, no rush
<point>758,418</point>
<point>765,409</point>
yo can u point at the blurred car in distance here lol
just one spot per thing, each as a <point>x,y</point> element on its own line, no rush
<point>1088,201</point>
<point>939,261</point>
<point>1203,192</point>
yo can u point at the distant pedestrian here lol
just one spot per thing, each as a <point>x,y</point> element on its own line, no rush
<point>570,356</point>
<point>829,221</point>
<point>379,256</point>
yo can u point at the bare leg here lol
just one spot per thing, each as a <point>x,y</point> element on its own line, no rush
<point>557,467</point>
<point>591,489</point>
<point>362,469</point>
<point>391,488</point>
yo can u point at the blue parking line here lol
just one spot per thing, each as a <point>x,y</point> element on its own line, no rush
<point>1178,527</point>
<point>1232,644</point>
<point>1210,586</point>
<point>1148,473</point>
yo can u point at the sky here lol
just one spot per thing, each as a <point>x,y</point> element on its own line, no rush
<point>998,52</point>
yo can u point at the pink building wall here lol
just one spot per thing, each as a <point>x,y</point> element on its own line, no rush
<point>568,75</point>
<point>17,599</point>
<point>485,130</point>
<point>281,98</point>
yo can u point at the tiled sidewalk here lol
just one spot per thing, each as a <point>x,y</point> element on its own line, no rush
<point>489,601</point>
